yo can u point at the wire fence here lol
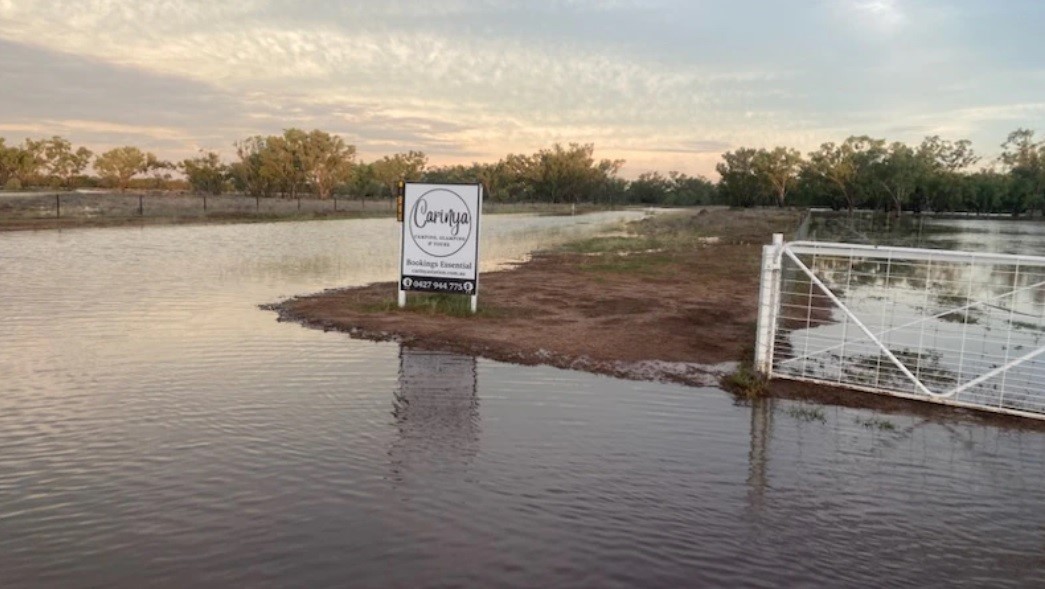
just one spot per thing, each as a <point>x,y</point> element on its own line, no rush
<point>89,205</point>
<point>952,327</point>
<point>77,205</point>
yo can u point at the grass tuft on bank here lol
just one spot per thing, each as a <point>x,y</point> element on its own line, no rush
<point>435,304</point>
<point>745,383</point>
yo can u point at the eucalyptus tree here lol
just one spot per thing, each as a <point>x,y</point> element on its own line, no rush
<point>362,183</point>
<point>945,155</point>
<point>849,167</point>
<point>327,161</point>
<point>248,174</point>
<point>8,163</point>
<point>119,165</point>
<point>899,173</point>
<point>833,164</point>
<point>988,190</point>
<point>649,188</point>
<point>283,161</point>
<point>565,174</point>
<point>63,162</point>
<point>778,169</point>
<point>493,176</point>
<point>205,173</point>
<point>688,190</point>
<point>1025,161</point>
<point>390,169</point>
<point>740,184</point>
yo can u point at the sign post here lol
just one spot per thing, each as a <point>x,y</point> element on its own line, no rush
<point>440,240</point>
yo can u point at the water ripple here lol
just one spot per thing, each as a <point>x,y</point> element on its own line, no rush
<point>156,428</point>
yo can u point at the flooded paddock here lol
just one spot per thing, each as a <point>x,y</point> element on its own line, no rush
<point>158,429</point>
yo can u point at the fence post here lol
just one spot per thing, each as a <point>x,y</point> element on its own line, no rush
<point>204,203</point>
<point>257,204</point>
<point>768,304</point>
<point>57,206</point>
<point>141,205</point>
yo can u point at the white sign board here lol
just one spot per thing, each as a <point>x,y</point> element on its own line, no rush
<point>440,249</point>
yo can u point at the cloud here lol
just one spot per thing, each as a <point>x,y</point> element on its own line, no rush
<point>884,16</point>
<point>673,79</point>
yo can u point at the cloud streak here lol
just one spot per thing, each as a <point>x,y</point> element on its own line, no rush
<point>476,79</point>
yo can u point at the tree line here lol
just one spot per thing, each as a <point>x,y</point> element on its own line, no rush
<point>323,165</point>
<point>868,173</point>
<point>860,172</point>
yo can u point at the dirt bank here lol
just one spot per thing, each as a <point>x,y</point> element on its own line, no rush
<point>675,311</point>
<point>674,302</point>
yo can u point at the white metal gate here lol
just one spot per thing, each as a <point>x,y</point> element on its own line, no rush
<point>960,328</point>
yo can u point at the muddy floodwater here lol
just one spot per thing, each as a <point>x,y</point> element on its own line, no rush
<point>158,429</point>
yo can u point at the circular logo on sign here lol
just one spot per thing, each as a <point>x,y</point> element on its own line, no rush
<point>469,287</point>
<point>407,282</point>
<point>440,223</point>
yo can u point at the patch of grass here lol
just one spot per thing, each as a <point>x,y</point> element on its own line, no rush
<point>745,383</point>
<point>684,231</point>
<point>807,414</point>
<point>434,304</point>
<point>613,244</point>
<point>876,423</point>
<point>649,264</point>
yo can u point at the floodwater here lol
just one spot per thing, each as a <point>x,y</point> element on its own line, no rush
<point>158,429</point>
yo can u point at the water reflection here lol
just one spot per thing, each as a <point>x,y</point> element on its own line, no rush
<point>762,410</point>
<point>157,429</point>
<point>436,411</point>
<point>997,235</point>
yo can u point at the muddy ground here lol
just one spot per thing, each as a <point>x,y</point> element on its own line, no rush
<point>678,305</point>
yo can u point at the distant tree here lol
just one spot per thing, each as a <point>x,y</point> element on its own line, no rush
<point>31,161</point>
<point>283,161</point>
<point>565,174</point>
<point>1025,161</point>
<point>689,190</point>
<point>944,155</point>
<point>117,166</point>
<point>739,183</point>
<point>988,190</point>
<point>517,170</point>
<point>898,174</point>
<point>160,169</point>
<point>455,174</point>
<point>249,174</point>
<point>849,167</point>
<point>327,161</point>
<point>778,169</point>
<point>649,188</point>
<point>390,169</point>
<point>492,176</point>
<point>206,173</point>
<point>62,162</point>
<point>361,182</point>
<point>7,162</point>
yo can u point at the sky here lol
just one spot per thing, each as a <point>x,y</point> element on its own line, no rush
<point>663,84</point>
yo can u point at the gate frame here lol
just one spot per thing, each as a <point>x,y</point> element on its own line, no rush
<point>769,312</point>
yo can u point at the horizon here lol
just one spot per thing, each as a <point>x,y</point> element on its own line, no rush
<point>664,85</point>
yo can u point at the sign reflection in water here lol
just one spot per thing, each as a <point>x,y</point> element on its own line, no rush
<point>436,410</point>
